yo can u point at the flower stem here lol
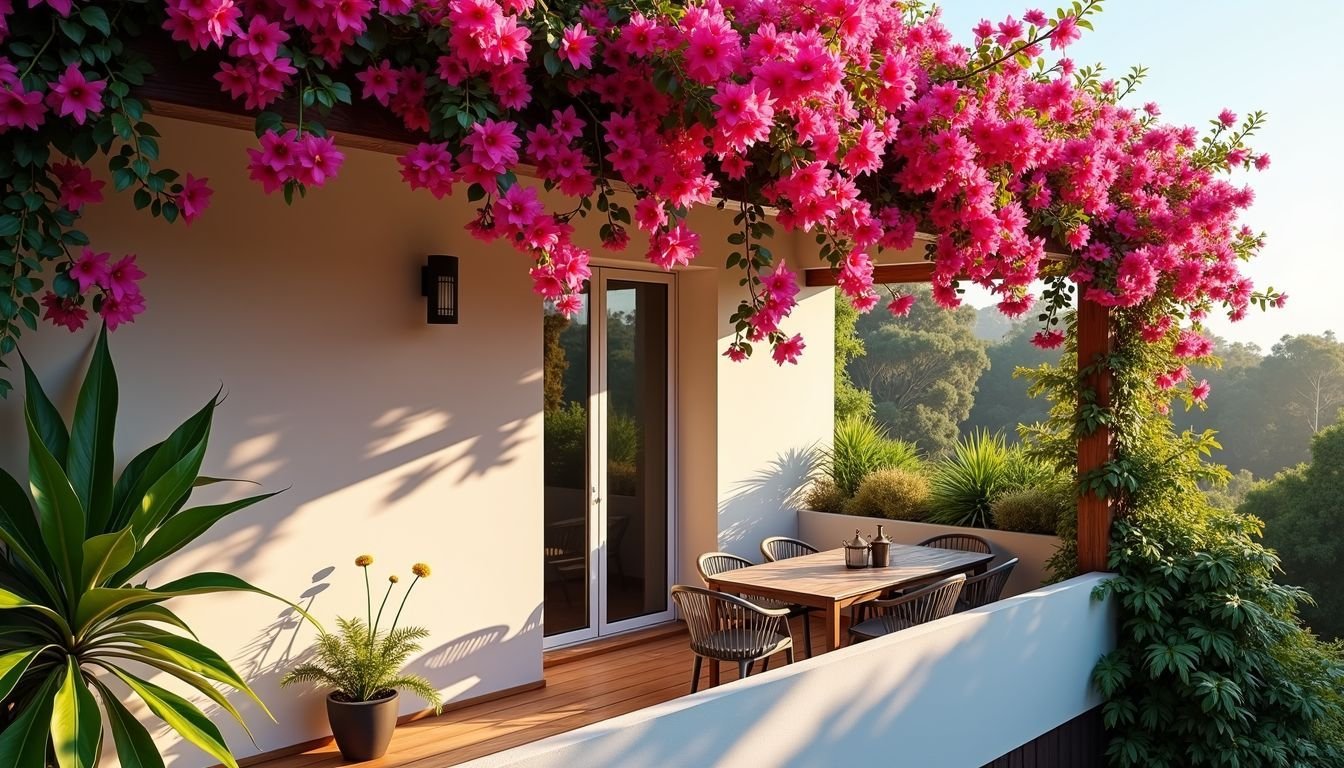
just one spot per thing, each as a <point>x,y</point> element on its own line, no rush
<point>379,619</point>
<point>403,605</point>
<point>368,603</point>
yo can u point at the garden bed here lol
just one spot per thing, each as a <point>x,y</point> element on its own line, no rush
<point>826,530</point>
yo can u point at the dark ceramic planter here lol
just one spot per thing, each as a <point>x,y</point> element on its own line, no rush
<point>362,729</point>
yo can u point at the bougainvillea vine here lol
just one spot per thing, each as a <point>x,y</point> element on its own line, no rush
<point>861,122</point>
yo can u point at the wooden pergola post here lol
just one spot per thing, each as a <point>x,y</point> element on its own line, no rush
<point>1094,450</point>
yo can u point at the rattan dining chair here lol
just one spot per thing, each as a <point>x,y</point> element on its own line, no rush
<point>712,563</point>
<point>729,628</point>
<point>783,548</point>
<point>963,542</point>
<point>985,588</point>
<point>918,607</point>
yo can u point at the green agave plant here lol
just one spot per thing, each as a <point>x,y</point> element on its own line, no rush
<point>965,484</point>
<point>73,620</point>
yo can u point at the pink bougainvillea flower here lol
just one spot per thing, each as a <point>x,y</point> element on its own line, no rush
<point>119,311</point>
<point>735,352</point>
<point>65,312</point>
<point>395,7</point>
<point>20,108</point>
<point>90,269</point>
<point>901,305</point>
<point>62,7</point>
<point>317,160</point>
<point>380,82</point>
<point>1048,339</point>
<point>673,247</point>
<point>72,94</point>
<point>194,198</point>
<point>78,187</point>
<point>576,47</point>
<point>519,208</point>
<point>1066,33</point>
<point>493,144</point>
<point>788,350</point>
<point>1200,391</point>
<point>1227,118</point>
<point>122,279</point>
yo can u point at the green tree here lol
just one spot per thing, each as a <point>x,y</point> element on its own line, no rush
<point>850,401</point>
<point>921,370</point>
<point>1001,399</point>
<point>1303,509</point>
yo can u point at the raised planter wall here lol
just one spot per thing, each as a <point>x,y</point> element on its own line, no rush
<point>827,531</point>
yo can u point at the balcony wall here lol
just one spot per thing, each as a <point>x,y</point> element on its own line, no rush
<point>959,692</point>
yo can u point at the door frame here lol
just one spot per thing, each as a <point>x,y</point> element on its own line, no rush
<point>596,583</point>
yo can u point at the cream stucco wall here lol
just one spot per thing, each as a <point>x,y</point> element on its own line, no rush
<point>396,438</point>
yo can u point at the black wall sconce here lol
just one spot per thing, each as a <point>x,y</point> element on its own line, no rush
<point>438,284</point>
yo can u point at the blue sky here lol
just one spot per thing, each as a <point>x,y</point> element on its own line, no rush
<point>1282,58</point>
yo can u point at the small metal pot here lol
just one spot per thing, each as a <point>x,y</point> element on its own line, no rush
<point>856,552</point>
<point>881,549</point>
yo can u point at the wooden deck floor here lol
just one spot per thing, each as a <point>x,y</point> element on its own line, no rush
<point>581,688</point>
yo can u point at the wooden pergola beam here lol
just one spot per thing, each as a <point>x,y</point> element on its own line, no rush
<point>883,274</point>
<point>1094,450</point>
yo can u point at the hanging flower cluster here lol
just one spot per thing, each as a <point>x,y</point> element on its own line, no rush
<point>861,122</point>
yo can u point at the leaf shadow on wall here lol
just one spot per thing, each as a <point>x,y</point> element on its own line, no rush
<point>766,503</point>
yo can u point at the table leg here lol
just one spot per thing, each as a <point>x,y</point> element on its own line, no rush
<point>832,626</point>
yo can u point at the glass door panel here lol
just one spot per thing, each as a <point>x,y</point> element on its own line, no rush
<point>635,363</point>
<point>568,510</point>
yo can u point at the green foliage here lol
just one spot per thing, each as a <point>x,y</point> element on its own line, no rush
<point>823,496</point>
<point>565,436</point>
<point>1211,667</point>
<point>1303,510</point>
<point>921,370</point>
<point>362,665</point>
<point>1033,510</point>
<point>1230,494</point>
<point>859,448</point>
<point>850,401</point>
<point>76,598</point>
<point>966,483</point>
<point>898,494</point>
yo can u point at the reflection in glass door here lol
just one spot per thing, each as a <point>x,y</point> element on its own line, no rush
<point>607,457</point>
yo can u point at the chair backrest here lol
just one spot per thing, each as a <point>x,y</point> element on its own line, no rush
<point>712,563</point>
<point>783,548</point>
<point>933,602</point>
<point>964,542</point>
<point>988,586</point>
<point>735,622</point>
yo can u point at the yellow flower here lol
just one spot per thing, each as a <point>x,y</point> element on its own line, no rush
<point>421,570</point>
<point>393,578</point>
<point>364,561</point>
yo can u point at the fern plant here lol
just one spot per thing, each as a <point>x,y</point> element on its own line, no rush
<point>360,662</point>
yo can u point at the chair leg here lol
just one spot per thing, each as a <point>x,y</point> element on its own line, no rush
<point>695,674</point>
<point>765,664</point>
<point>788,654</point>
<point>743,669</point>
<point>807,634</point>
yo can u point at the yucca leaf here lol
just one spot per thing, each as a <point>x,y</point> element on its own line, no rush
<point>193,656</point>
<point>180,530</point>
<point>155,613</point>
<point>185,676</point>
<point>14,664</point>
<point>135,747</point>
<point>147,468</point>
<point>24,741</point>
<point>105,555</point>
<point>168,490</point>
<point>102,603</point>
<point>76,725</point>
<point>10,600</point>
<point>38,407</point>
<point>90,458</point>
<point>180,715</point>
<point>59,514</point>
<point>19,531</point>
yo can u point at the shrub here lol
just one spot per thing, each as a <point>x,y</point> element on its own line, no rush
<point>1032,510</point>
<point>1023,471</point>
<point>823,496</point>
<point>897,494</point>
<point>964,485</point>
<point>861,447</point>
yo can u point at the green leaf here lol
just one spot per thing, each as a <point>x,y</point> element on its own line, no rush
<point>19,531</point>
<point>163,496</point>
<point>181,716</point>
<point>9,600</point>
<point>9,225</point>
<point>152,464</point>
<point>59,514</point>
<point>76,725</point>
<point>105,555</point>
<point>155,613</point>
<point>181,529</point>
<point>101,603</point>
<point>95,17</point>
<point>50,425</point>
<point>91,456</point>
<point>13,665</point>
<point>24,741</point>
<point>135,747</point>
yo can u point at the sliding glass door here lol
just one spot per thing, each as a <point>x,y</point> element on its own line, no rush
<point>608,448</point>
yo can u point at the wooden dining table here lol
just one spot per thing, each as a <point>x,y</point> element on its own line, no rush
<point>823,582</point>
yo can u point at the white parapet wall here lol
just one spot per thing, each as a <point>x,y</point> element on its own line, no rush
<point>827,530</point>
<point>955,693</point>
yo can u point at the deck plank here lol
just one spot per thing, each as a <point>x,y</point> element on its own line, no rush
<point>581,690</point>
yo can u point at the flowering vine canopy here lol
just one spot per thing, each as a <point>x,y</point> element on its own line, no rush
<point>860,121</point>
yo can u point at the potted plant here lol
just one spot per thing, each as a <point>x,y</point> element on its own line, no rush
<point>363,666</point>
